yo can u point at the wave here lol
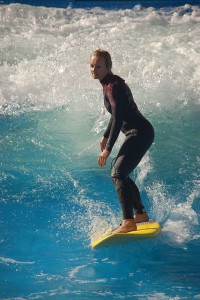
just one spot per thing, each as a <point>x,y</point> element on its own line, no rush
<point>44,57</point>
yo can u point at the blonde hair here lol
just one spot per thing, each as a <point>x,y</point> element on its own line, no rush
<point>105,55</point>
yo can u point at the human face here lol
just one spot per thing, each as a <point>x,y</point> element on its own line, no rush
<point>98,67</point>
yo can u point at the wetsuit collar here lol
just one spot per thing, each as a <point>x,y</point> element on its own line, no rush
<point>106,78</point>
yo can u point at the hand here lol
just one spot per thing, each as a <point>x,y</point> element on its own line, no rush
<point>103,157</point>
<point>103,143</point>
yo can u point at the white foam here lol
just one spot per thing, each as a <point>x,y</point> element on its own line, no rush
<point>44,65</point>
<point>96,217</point>
<point>45,55</point>
<point>179,228</point>
<point>8,260</point>
<point>161,202</point>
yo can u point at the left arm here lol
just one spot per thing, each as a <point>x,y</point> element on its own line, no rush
<point>117,107</point>
<point>117,119</point>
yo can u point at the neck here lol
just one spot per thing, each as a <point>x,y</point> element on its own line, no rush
<point>109,73</point>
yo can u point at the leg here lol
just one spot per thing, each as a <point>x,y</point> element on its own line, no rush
<point>128,158</point>
<point>140,212</point>
<point>124,196</point>
<point>125,200</point>
<point>136,199</point>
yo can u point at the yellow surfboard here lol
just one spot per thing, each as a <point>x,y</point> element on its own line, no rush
<point>144,230</point>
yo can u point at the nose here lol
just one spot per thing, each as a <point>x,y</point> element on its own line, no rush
<point>94,69</point>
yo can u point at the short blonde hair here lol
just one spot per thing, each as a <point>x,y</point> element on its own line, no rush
<point>105,55</point>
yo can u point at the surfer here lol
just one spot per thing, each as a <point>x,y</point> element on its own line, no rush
<point>139,135</point>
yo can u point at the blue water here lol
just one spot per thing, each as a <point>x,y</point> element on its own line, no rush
<point>54,198</point>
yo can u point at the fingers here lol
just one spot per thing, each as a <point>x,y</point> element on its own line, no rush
<point>103,157</point>
<point>101,161</point>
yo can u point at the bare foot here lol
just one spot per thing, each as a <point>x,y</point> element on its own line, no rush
<point>141,218</point>
<point>127,226</point>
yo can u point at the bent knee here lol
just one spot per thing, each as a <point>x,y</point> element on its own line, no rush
<point>117,179</point>
<point>116,173</point>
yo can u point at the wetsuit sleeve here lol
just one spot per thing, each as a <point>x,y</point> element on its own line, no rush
<point>107,131</point>
<point>115,98</point>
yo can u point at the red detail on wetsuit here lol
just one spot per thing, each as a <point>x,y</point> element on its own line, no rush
<point>119,102</point>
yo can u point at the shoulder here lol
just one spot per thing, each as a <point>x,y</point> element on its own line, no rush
<point>114,83</point>
<point>111,79</point>
<point>114,90</point>
<point>116,80</point>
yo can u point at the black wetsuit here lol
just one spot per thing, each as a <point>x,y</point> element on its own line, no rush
<point>139,133</point>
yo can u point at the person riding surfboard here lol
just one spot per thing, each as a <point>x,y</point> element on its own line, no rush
<point>139,135</point>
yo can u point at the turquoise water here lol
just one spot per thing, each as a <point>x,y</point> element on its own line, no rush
<point>54,198</point>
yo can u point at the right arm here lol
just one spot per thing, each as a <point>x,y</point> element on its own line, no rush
<point>103,142</point>
<point>104,139</point>
<point>107,131</point>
